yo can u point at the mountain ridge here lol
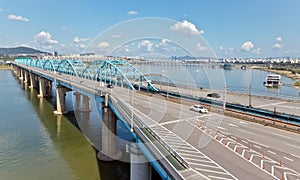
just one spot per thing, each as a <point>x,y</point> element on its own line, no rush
<point>19,50</point>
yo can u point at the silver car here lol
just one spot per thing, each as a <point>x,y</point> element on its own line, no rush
<point>199,108</point>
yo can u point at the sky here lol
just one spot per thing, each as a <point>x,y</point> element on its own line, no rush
<point>224,28</point>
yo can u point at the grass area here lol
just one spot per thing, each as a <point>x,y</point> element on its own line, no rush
<point>5,67</point>
<point>297,84</point>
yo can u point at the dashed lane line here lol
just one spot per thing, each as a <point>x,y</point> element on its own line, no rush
<point>288,158</point>
<point>295,156</point>
<point>292,145</point>
<point>264,105</point>
<point>245,131</point>
<point>271,152</point>
<point>257,146</point>
<point>258,143</point>
<point>282,135</point>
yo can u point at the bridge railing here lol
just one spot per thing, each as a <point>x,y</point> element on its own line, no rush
<point>137,120</point>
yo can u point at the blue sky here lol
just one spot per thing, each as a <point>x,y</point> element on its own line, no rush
<point>232,28</point>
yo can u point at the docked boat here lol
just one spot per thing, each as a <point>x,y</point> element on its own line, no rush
<point>273,80</point>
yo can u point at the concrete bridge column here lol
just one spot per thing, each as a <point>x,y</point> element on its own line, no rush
<point>106,100</point>
<point>60,100</point>
<point>21,75</point>
<point>25,76</point>
<point>109,150</point>
<point>48,87</point>
<point>77,99</point>
<point>140,168</point>
<point>85,103</point>
<point>31,80</point>
<point>42,87</point>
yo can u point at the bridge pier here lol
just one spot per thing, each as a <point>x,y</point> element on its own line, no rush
<point>109,150</point>
<point>42,88</point>
<point>140,168</point>
<point>25,76</point>
<point>21,75</point>
<point>60,100</point>
<point>85,103</point>
<point>31,80</point>
<point>106,100</point>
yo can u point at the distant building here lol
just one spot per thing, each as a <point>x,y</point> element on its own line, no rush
<point>55,54</point>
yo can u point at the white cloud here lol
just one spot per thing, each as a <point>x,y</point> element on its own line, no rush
<point>17,18</point>
<point>1,10</point>
<point>63,27</point>
<point>103,45</point>
<point>132,13</point>
<point>277,46</point>
<point>201,48</point>
<point>186,28</point>
<point>79,40</point>
<point>146,45</point>
<point>221,48</point>
<point>44,38</point>
<point>247,46</point>
<point>279,39</point>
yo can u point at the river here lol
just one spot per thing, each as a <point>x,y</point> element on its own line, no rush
<point>35,144</point>
<point>235,80</point>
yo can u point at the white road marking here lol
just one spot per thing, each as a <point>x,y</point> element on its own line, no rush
<point>245,142</point>
<point>264,105</point>
<point>271,152</point>
<point>295,156</point>
<point>242,122</point>
<point>206,170</point>
<point>257,146</point>
<point>216,177</point>
<point>245,131</point>
<point>288,158</point>
<point>282,135</point>
<point>198,160</point>
<point>292,145</point>
<point>233,125</point>
<point>257,143</point>
<point>222,128</point>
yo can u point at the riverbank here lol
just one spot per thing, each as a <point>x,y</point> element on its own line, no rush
<point>286,73</point>
<point>4,67</point>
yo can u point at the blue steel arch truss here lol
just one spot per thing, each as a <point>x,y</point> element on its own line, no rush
<point>72,67</point>
<point>115,72</point>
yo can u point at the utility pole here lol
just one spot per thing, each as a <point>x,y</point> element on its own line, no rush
<point>250,94</point>
<point>224,98</point>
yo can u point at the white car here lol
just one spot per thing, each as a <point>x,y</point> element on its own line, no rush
<point>199,108</point>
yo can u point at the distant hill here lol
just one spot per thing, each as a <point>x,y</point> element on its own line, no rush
<point>19,50</point>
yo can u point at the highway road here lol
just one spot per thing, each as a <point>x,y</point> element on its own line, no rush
<point>246,150</point>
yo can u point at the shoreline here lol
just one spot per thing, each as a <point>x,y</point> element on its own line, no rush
<point>288,74</point>
<point>3,67</point>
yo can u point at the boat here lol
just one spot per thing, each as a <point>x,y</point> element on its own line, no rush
<point>273,80</point>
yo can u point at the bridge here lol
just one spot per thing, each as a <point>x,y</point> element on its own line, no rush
<point>176,142</point>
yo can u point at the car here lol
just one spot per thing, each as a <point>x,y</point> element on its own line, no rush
<point>214,95</point>
<point>110,86</point>
<point>199,108</point>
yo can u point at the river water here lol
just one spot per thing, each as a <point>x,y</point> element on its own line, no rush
<point>35,144</point>
<point>235,80</point>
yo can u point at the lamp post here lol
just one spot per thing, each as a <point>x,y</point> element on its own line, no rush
<point>250,94</point>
